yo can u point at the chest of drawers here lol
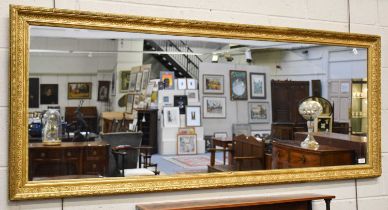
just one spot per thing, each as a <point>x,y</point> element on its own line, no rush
<point>69,158</point>
<point>289,154</point>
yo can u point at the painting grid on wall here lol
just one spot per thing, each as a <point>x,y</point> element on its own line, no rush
<point>187,144</point>
<point>238,85</point>
<point>214,107</point>
<point>258,112</point>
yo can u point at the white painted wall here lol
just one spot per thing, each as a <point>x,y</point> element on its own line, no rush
<point>365,17</point>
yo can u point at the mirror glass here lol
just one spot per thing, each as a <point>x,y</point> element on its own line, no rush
<point>112,104</point>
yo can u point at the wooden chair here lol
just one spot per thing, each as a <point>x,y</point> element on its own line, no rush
<point>247,153</point>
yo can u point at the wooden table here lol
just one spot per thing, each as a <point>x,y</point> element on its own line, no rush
<point>284,202</point>
<point>222,142</point>
<point>68,158</point>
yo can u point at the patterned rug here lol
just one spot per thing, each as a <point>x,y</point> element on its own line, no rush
<point>191,161</point>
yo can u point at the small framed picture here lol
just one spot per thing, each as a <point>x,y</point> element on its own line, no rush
<point>193,116</point>
<point>238,85</point>
<point>132,81</point>
<point>191,84</point>
<point>181,103</point>
<point>186,131</point>
<point>79,90</point>
<point>136,101</point>
<point>213,84</point>
<point>124,81</point>
<point>214,107</point>
<point>145,79</point>
<point>258,112</point>
<point>103,91</point>
<point>138,81</point>
<point>129,107</point>
<point>182,85</point>
<point>167,79</point>
<point>192,96</point>
<point>48,93</point>
<point>165,98</point>
<point>220,135</point>
<point>258,86</point>
<point>171,117</point>
<point>187,144</point>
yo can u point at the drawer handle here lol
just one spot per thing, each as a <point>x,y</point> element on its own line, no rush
<point>303,159</point>
<point>42,154</point>
<point>68,154</point>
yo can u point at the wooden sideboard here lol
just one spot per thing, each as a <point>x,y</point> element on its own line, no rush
<point>69,158</point>
<point>356,143</point>
<point>284,202</point>
<point>289,154</point>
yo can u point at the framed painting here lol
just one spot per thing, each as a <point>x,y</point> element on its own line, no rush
<point>124,78</point>
<point>182,84</point>
<point>79,90</point>
<point>171,117</point>
<point>132,81</point>
<point>103,91</point>
<point>213,84</point>
<point>258,112</point>
<point>192,96</point>
<point>180,101</point>
<point>167,79</point>
<point>113,87</point>
<point>191,84</point>
<point>33,92</point>
<point>258,85</point>
<point>187,144</point>
<point>193,116</point>
<point>49,94</point>
<point>214,107</point>
<point>139,76</point>
<point>129,106</point>
<point>145,79</point>
<point>238,85</point>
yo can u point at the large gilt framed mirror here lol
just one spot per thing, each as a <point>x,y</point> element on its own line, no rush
<point>111,104</point>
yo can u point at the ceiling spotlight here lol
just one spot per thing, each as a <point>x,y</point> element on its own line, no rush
<point>215,58</point>
<point>248,55</point>
<point>169,63</point>
<point>164,58</point>
<point>174,68</point>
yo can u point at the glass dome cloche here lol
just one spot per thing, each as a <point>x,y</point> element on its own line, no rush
<point>309,109</point>
<point>52,127</point>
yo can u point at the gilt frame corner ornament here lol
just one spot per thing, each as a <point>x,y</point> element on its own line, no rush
<point>22,17</point>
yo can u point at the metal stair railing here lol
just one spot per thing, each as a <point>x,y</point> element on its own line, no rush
<point>190,63</point>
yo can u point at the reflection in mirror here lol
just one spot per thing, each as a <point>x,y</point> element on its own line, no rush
<point>151,105</point>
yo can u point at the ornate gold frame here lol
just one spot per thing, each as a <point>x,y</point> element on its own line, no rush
<point>22,17</point>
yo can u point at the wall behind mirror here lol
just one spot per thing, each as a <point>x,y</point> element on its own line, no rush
<point>66,60</point>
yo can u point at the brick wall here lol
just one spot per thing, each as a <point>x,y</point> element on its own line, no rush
<point>366,16</point>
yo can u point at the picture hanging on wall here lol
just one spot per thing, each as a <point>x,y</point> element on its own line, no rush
<point>103,91</point>
<point>191,84</point>
<point>214,107</point>
<point>49,94</point>
<point>79,90</point>
<point>182,85</point>
<point>258,112</point>
<point>124,78</point>
<point>193,116</point>
<point>258,86</point>
<point>165,98</point>
<point>220,135</point>
<point>145,79</point>
<point>113,88</point>
<point>136,101</point>
<point>167,78</point>
<point>33,93</point>
<point>187,145</point>
<point>192,96</point>
<point>213,84</point>
<point>132,81</point>
<point>138,81</point>
<point>260,133</point>
<point>171,117</point>
<point>238,85</point>
<point>181,103</point>
<point>129,107</point>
